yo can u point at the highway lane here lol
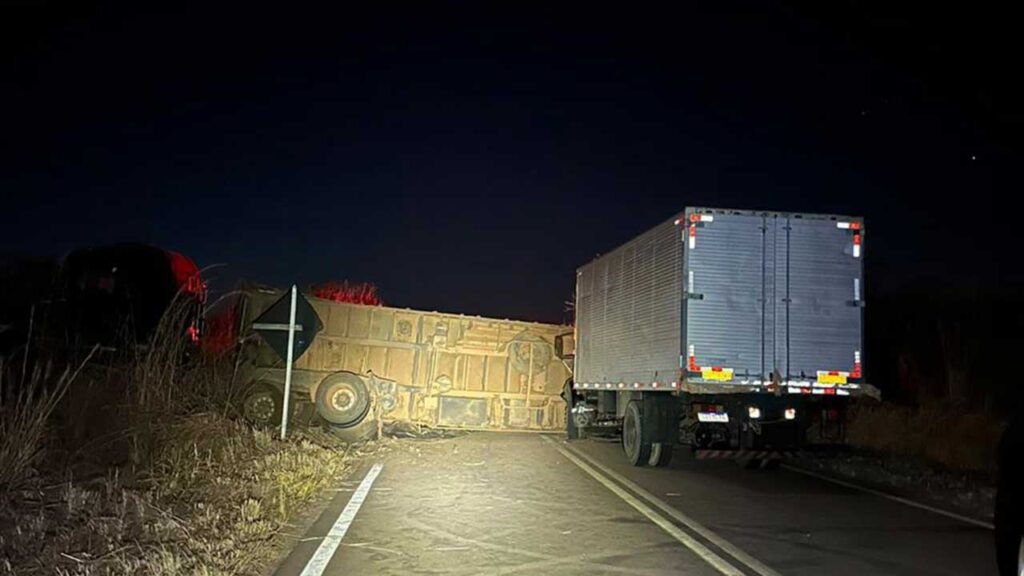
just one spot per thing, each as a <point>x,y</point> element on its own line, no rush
<point>490,503</point>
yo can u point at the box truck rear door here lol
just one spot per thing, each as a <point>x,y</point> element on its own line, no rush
<point>825,293</point>
<point>724,277</point>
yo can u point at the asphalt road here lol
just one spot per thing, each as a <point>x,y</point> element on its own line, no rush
<point>490,503</point>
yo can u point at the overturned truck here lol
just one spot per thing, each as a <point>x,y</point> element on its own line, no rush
<point>376,364</point>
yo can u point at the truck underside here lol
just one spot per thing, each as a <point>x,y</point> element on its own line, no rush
<point>755,428</point>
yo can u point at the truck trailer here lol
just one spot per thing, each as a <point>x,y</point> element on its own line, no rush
<point>728,331</point>
<point>378,364</point>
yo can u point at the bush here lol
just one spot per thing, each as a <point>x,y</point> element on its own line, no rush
<point>939,434</point>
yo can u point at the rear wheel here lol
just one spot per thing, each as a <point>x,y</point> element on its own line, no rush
<point>638,453</point>
<point>661,454</point>
<point>343,400</point>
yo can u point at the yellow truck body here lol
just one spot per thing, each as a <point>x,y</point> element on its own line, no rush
<point>431,368</point>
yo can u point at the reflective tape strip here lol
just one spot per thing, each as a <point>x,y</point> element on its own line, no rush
<point>856,250</point>
<point>693,236</point>
<point>689,282</point>
<point>856,289</point>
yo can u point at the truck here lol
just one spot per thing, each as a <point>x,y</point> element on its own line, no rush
<point>732,332</point>
<point>379,365</point>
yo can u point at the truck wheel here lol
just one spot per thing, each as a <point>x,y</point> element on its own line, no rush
<point>661,454</point>
<point>343,400</point>
<point>262,405</point>
<point>639,454</point>
<point>571,431</point>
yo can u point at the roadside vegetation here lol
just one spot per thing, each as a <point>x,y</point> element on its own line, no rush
<point>947,437</point>
<point>137,463</point>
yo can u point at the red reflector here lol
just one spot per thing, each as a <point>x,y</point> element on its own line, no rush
<point>693,230</point>
<point>855,373</point>
<point>856,239</point>
<point>694,217</point>
<point>716,368</point>
<point>854,225</point>
<point>805,390</point>
<point>833,373</point>
<point>830,391</point>
<point>691,365</point>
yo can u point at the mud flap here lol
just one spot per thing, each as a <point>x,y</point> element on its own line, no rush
<point>661,419</point>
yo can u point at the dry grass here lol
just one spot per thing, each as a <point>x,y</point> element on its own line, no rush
<point>937,434</point>
<point>198,493</point>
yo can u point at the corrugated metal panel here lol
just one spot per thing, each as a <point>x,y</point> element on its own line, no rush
<point>824,323</point>
<point>725,316</point>
<point>771,292</point>
<point>628,310</point>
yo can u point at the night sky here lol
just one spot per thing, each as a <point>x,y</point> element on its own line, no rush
<point>468,160</point>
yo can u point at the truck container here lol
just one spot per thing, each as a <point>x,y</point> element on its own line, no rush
<point>730,331</point>
<point>377,363</point>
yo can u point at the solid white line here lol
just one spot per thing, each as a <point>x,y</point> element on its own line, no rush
<point>706,533</point>
<point>948,514</point>
<point>685,539</point>
<point>324,553</point>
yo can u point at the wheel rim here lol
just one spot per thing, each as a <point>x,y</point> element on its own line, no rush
<point>655,453</point>
<point>260,407</point>
<point>342,399</point>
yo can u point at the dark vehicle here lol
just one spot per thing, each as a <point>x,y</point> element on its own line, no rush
<point>112,294</point>
<point>732,331</point>
<point>1010,502</point>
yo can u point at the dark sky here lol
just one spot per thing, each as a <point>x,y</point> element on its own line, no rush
<point>468,160</point>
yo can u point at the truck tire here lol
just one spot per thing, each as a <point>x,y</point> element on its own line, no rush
<point>343,400</point>
<point>262,405</point>
<point>638,453</point>
<point>571,431</point>
<point>661,454</point>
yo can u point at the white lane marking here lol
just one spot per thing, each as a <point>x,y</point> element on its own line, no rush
<point>706,533</point>
<point>324,553</point>
<point>685,539</point>
<point>953,515</point>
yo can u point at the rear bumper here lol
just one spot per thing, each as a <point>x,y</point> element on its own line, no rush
<point>715,454</point>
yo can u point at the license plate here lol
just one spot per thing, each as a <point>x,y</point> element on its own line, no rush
<point>712,417</point>
<point>826,378</point>
<point>723,375</point>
